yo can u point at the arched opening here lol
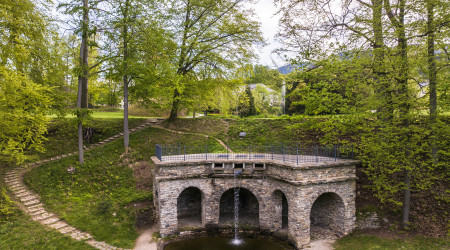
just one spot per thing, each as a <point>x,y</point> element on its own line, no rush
<point>189,208</point>
<point>281,209</point>
<point>248,208</point>
<point>327,217</point>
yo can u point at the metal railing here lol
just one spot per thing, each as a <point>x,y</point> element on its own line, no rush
<point>291,154</point>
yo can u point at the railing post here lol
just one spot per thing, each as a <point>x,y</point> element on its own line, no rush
<point>335,149</point>
<point>272,151</point>
<point>315,153</point>
<point>226,146</point>
<point>184,152</point>
<point>249,152</point>
<point>282,150</point>
<point>207,151</point>
<point>297,153</point>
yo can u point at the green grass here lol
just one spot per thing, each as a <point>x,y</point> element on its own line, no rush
<point>62,135</point>
<point>104,115</point>
<point>361,241</point>
<point>20,232</point>
<point>99,197</point>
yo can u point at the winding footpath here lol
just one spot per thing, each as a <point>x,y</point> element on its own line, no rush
<point>30,203</point>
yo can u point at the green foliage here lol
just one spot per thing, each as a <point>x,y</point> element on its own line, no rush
<point>23,106</point>
<point>247,108</point>
<point>386,153</point>
<point>7,208</point>
<point>334,86</point>
<point>217,36</point>
<point>99,196</point>
<point>269,77</point>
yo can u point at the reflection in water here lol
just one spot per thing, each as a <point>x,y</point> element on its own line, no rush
<point>216,243</point>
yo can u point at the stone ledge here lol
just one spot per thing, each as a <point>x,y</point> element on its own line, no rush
<point>295,183</point>
<point>289,165</point>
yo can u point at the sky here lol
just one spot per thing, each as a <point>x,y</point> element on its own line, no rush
<point>265,11</point>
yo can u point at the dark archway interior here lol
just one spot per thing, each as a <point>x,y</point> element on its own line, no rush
<point>189,207</point>
<point>248,208</point>
<point>284,212</point>
<point>327,217</point>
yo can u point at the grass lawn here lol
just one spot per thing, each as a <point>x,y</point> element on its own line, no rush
<point>62,135</point>
<point>362,241</point>
<point>104,115</point>
<point>99,197</point>
<point>20,232</point>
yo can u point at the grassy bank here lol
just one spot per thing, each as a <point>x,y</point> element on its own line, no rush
<point>365,241</point>
<point>100,196</point>
<point>103,196</point>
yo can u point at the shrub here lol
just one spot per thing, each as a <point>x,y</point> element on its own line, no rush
<point>7,208</point>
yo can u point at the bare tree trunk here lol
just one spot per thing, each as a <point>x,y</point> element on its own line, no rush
<point>406,199</point>
<point>126,136</point>
<point>398,22</point>
<point>404,110</point>
<point>82,100</point>
<point>175,105</point>
<point>378,65</point>
<point>432,78</point>
<point>80,124</point>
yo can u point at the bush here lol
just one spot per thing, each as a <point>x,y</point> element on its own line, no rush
<point>7,208</point>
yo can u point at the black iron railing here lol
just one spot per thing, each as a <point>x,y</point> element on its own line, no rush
<point>292,154</point>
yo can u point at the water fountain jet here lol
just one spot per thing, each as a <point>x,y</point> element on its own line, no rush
<point>236,241</point>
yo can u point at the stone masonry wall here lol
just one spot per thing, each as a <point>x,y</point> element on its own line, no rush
<point>302,185</point>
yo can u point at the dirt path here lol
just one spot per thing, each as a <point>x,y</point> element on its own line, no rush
<point>323,244</point>
<point>145,240</point>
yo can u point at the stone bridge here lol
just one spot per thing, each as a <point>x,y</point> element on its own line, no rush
<point>303,201</point>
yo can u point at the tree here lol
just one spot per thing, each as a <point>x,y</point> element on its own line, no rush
<point>385,30</point>
<point>218,34</point>
<point>269,77</point>
<point>26,78</point>
<point>23,107</point>
<point>82,9</point>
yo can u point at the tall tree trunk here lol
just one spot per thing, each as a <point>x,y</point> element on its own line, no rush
<point>378,61</point>
<point>80,123</point>
<point>403,97</point>
<point>175,105</point>
<point>404,109</point>
<point>82,100</point>
<point>432,77</point>
<point>126,136</point>
<point>181,69</point>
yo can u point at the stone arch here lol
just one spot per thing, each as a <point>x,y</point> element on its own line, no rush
<point>327,216</point>
<point>281,213</point>
<point>248,207</point>
<point>190,207</point>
